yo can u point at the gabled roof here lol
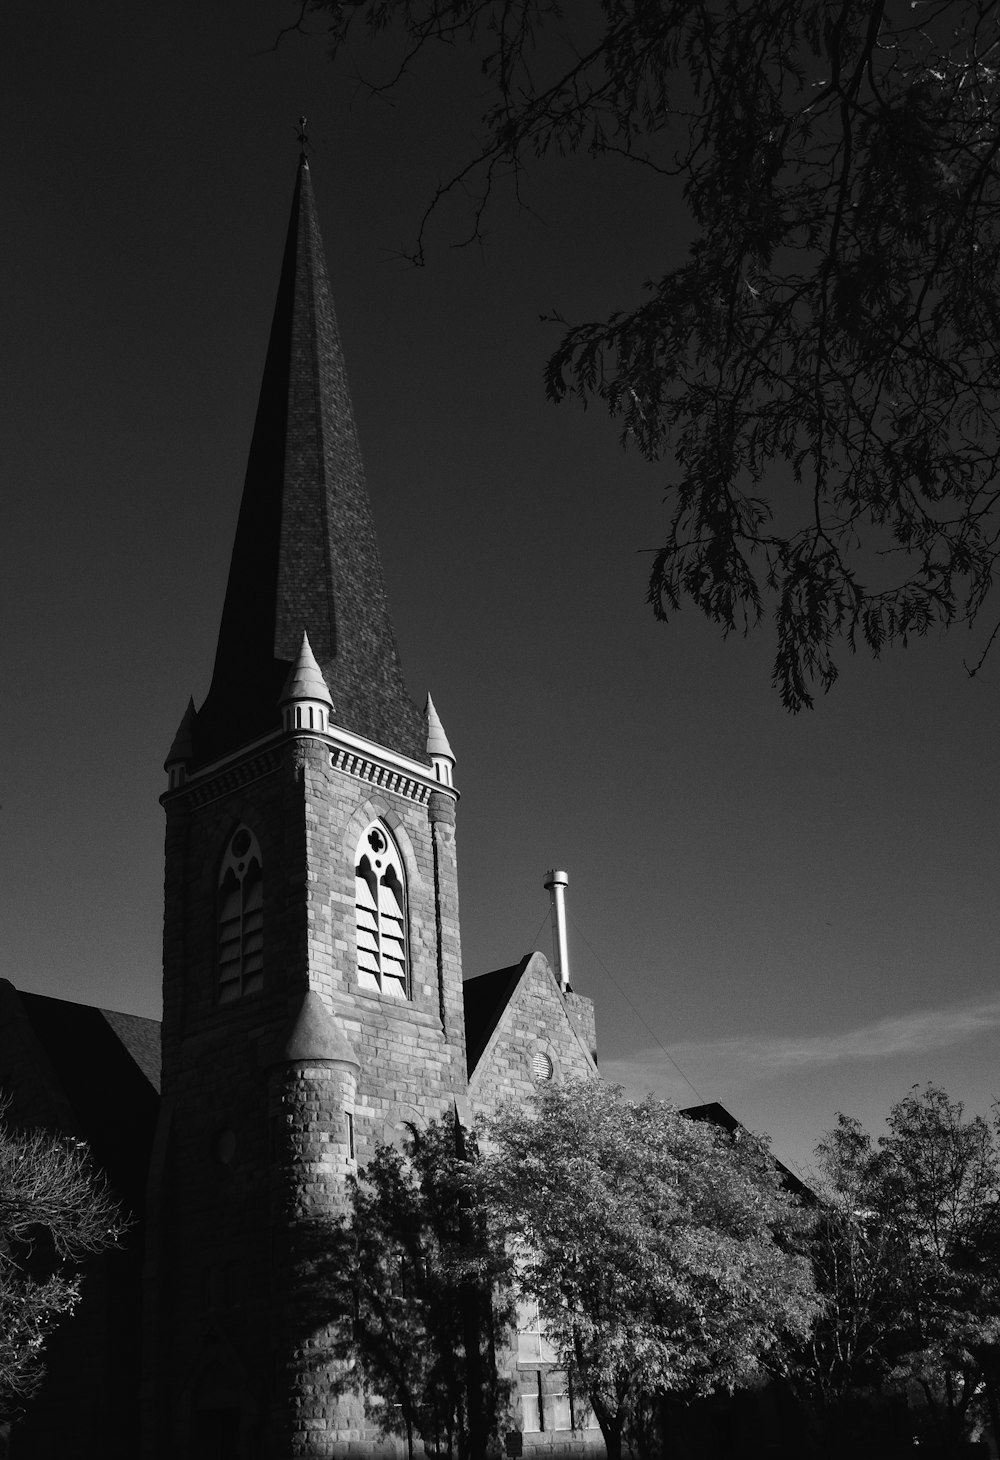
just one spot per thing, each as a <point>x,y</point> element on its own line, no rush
<point>305,557</point>
<point>102,1069</point>
<point>715,1114</point>
<point>492,996</point>
<point>141,1037</point>
<point>486,997</point>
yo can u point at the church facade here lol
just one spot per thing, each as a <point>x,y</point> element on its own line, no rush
<point>313,996</point>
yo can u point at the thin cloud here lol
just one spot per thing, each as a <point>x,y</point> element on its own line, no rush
<point>718,1062</point>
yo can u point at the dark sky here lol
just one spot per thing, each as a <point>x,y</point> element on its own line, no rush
<point>803,912</point>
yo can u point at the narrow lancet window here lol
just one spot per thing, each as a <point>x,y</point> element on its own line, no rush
<point>380,912</point>
<point>241,917</point>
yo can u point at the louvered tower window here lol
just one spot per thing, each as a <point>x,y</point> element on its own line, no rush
<point>380,910</point>
<point>241,917</point>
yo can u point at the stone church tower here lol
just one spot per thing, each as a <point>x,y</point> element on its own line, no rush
<point>312,969</point>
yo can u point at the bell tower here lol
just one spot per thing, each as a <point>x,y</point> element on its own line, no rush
<point>312,970</point>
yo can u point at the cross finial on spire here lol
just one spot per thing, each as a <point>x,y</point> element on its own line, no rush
<point>303,138</point>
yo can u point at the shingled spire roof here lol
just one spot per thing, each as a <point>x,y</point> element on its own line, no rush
<point>305,557</point>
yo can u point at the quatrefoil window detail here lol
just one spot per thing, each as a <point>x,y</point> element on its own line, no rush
<point>241,918</point>
<point>380,914</point>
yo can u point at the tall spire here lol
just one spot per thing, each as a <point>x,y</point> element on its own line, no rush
<point>305,558</point>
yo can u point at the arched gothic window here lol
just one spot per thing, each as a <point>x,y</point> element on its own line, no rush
<point>380,913</point>
<point>241,917</point>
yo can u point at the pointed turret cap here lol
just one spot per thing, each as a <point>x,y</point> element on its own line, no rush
<point>306,680</point>
<point>313,1034</point>
<point>305,557</point>
<point>182,748</point>
<point>437,740</point>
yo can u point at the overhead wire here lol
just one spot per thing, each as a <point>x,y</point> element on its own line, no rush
<point>642,1020</point>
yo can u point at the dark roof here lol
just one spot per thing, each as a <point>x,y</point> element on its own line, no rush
<point>305,556</point>
<point>108,1066</point>
<point>141,1037</point>
<point>715,1114</point>
<point>486,997</point>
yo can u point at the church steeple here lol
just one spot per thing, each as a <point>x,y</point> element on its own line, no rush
<point>312,963</point>
<point>305,558</point>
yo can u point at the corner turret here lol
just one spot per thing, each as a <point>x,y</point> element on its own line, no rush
<point>181,749</point>
<point>305,700</point>
<point>439,752</point>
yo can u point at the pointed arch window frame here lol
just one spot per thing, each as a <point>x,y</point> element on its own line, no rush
<point>381,914</point>
<point>240,918</point>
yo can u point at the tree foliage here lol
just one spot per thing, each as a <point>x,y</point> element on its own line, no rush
<point>661,1251</point>
<point>55,1211</point>
<point>425,1286</point>
<point>907,1263</point>
<point>819,374</point>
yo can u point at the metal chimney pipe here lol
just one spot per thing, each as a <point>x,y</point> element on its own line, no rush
<point>557,882</point>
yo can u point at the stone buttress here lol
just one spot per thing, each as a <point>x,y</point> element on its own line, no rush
<point>312,967</point>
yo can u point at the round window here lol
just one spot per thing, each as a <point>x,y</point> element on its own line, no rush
<point>541,1066</point>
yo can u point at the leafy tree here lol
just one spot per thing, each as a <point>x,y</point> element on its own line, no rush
<point>425,1283</point>
<point>845,1377</point>
<point>907,1263</point>
<point>54,1212</point>
<point>661,1251</point>
<point>820,373</point>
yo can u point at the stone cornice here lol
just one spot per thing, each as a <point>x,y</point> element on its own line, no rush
<point>379,767</point>
<point>225,777</point>
<point>383,769</point>
<point>381,776</point>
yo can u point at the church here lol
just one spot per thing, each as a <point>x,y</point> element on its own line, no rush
<point>314,1004</point>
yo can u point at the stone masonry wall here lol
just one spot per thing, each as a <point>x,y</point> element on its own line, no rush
<point>218,1345</point>
<point>539,1021</point>
<point>536,1021</point>
<point>412,1053</point>
<point>581,1012</point>
<point>211,1248</point>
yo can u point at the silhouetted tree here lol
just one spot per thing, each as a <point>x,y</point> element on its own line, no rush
<point>820,373</point>
<point>906,1260</point>
<point>425,1283</point>
<point>55,1211</point>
